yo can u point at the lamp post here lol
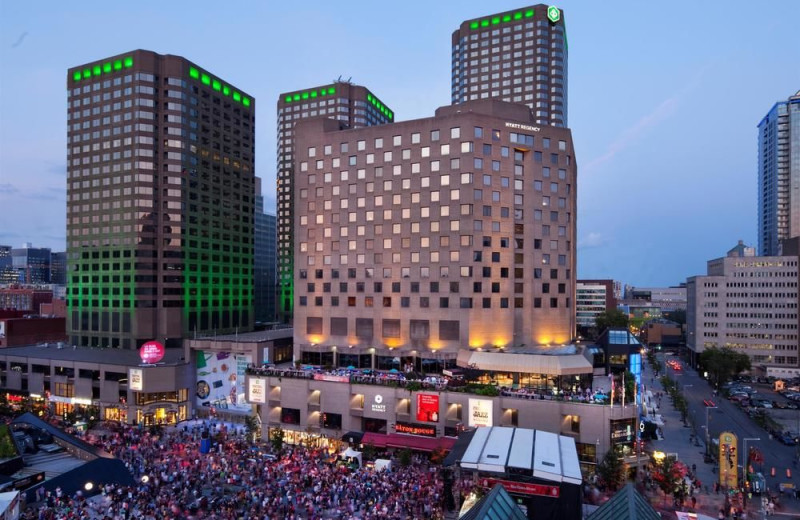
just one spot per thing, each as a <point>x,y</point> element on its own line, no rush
<point>708,433</point>
<point>745,460</point>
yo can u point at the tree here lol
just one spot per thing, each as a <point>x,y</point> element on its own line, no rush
<point>611,318</point>
<point>668,475</point>
<point>678,316</point>
<point>252,424</point>
<point>276,439</point>
<point>368,452</point>
<point>723,364</point>
<point>404,457</point>
<point>611,471</point>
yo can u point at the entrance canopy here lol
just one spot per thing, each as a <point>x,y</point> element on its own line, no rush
<point>394,440</point>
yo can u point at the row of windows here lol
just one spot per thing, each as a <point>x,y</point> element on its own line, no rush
<point>424,302</point>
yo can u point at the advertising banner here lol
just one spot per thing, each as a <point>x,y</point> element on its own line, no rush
<point>220,380</point>
<point>415,429</point>
<point>258,390</point>
<point>136,379</point>
<point>728,452</point>
<point>480,412</point>
<point>428,407</point>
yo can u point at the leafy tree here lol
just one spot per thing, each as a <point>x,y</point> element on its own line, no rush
<point>7,447</point>
<point>611,471</point>
<point>276,439</point>
<point>678,316</point>
<point>252,426</point>
<point>668,475</point>
<point>630,386</point>
<point>368,452</point>
<point>611,318</point>
<point>723,364</point>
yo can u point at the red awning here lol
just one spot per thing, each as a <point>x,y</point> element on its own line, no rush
<point>414,442</point>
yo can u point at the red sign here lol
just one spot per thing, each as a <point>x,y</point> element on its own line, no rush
<point>428,407</point>
<point>523,488</point>
<point>151,352</point>
<point>415,429</point>
<point>332,378</point>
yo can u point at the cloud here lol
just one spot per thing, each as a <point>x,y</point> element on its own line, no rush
<point>8,189</point>
<point>630,135</point>
<point>19,40</point>
<point>593,239</point>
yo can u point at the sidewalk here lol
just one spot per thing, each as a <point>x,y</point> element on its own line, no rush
<point>676,441</point>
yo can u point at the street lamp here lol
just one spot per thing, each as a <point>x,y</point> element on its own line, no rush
<point>708,433</point>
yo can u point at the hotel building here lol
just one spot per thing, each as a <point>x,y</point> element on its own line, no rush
<point>417,239</point>
<point>353,106</point>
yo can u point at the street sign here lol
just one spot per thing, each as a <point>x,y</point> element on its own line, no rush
<point>728,469</point>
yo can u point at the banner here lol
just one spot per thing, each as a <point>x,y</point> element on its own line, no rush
<point>258,390</point>
<point>221,380</point>
<point>480,412</point>
<point>428,407</point>
<point>728,453</point>
<point>135,379</point>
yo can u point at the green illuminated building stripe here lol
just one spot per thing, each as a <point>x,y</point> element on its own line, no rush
<point>310,94</point>
<point>219,86</point>
<point>496,20</point>
<point>383,109</point>
<point>103,68</point>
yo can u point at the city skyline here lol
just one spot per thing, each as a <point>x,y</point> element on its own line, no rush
<point>677,93</point>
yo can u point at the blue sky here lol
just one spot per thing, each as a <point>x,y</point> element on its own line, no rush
<point>664,99</point>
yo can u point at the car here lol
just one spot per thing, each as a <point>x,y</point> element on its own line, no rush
<point>787,439</point>
<point>709,403</point>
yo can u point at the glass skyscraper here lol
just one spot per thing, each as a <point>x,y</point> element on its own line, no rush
<point>779,175</point>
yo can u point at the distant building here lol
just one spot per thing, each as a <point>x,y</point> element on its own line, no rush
<point>353,106</point>
<point>518,56</point>
<point>58,268</point>
<point>779,175</point>
<point>7,273</point>
<point>24,298</point>
<point>265,261</point>
<point>665,298</point>
<point>32,264</point>
<point>662,332</point>
<point>31,330</point>
<point>748,303</point>
<point>592,298</point>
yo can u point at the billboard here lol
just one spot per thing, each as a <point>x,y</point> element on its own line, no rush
<point>480,412</point>
<point>428,407</point>
<point>135,379</point>
<point>728,451</point>
<point>151,352</point>
<point>258,390</point>
<point>221,379</point>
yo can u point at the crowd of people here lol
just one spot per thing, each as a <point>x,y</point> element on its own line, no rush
<point>242,480</point>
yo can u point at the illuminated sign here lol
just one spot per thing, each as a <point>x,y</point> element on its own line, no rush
<point>415,429</point>
<point>518,126</point>
<point>378,405</point>
<point>331,378</point>
<point>480,412</point>
<point>522,488</point>
<point>258,390</point>
<point>428,407</point>
<point>70,400</point>
<point>151,352</point>
<point>135,379</point>
<point>728,469</point>
<point>553,14</point>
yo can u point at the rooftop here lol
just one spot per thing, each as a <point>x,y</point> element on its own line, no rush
<point>52,351</point>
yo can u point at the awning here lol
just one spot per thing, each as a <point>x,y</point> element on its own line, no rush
<point>414,442</point>
<point>558,365</point>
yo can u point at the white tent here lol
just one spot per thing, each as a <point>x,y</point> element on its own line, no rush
<point>9,505</point>
<point>350,453</point>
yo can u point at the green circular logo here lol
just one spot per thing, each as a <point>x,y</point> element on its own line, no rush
<point>553,14</point>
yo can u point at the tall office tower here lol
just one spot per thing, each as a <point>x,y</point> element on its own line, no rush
<point>779,175</point>
<point>31,264</point>
<point>265,260</point>
<point>160,197</point>
<point>747,303</point>
<point>7,273</point>
<point>417,239</point>
<point>352,105</point>
<point>58,268</point>
<point>518,56</point>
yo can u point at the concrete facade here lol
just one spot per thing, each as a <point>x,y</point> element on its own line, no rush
<point>592,298</point>
<point>748,303</point>
<point>427,236</point>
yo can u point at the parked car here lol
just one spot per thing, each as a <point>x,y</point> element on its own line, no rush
<point>787,439</point>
